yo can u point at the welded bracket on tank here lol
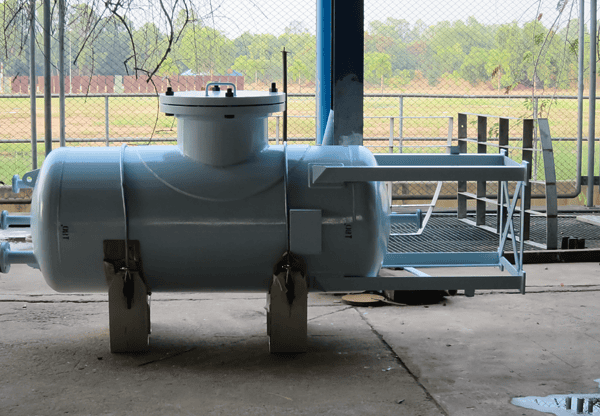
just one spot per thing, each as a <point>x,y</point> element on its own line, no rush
<point>311,177</point>
<point>407,167</point>
<point>28,181</point>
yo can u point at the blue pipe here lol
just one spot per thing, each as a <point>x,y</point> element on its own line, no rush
<point>323,66</point>
<point>8,220</point>
<point>415,218</point>
<point>8,257</point>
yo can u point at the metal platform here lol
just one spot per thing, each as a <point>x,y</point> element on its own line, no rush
<point>445,232</point>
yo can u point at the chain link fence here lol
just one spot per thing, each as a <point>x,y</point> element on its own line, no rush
<point>424,63</point>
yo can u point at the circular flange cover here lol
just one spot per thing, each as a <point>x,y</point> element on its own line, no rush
<point>218,99</point>
<point>199,103</point>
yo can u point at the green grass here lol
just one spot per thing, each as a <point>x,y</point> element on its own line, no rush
<point>137,116</point>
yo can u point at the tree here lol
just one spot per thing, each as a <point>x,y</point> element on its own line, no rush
<point>377,65</point>
<point>15,16</point>
<point>473,68</point>
<point>497,64</point>
<point>205,50</point>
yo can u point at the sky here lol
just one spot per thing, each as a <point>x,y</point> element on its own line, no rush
<point>272,16</point>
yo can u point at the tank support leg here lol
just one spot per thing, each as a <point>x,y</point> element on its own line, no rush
<point>129,319</point>
<point>287,313</point>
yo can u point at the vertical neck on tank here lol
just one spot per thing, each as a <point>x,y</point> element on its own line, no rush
<point>218,141</point>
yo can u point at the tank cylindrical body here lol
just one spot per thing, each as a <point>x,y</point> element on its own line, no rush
<point>204,219</point>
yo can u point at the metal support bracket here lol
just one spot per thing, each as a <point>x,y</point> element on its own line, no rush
<point>129,327</point>
<point>128,300</point>
<point>287,307</point>
<point>441,167</point>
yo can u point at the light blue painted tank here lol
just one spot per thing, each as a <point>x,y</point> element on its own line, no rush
<point>215,212</point>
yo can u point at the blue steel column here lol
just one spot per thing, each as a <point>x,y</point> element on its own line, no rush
<point>323,66</point>
<point>347,71</point>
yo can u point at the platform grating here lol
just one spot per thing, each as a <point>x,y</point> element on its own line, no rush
<point>446,233</point>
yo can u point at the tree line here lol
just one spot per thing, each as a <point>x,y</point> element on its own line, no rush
<point>396,52</point>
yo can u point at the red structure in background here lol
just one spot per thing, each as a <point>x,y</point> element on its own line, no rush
<point>100,84</point>
<point>133,85</point>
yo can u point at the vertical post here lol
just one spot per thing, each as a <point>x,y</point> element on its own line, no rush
<point>401,124</point>
<point>450,129</point>
<point>323,66</point>
<point>592,104</point>
<point>348,71</point>
<point>70,64</point>
<point>106,121</point>
<point>390,185</point>
<point>481,185</point>
<point>276,129</point>
<point>528,127</point>
<point>461,209</point>
<point>61,69</point>
<point>550,179</point>
<point>580,95</point>
<point>285,90</point>
<point>32,87</point>
<point>391,144</point>
<point>535,139</point>
<point>47,80</point>
<point>503,139</point>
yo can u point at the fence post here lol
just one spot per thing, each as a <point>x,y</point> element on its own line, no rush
<point>276,129</point>
<point>400,124</point>
<point>481,185</point>
<point>535,138</point>
<point>391,145</point>
<point>461,188</point>
<point>106,118</point>
<point>391,148</point>
<point>528,128</point>
<point>450,129</point>
<point>32,87</point>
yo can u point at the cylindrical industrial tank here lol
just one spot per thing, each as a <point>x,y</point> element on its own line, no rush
<point>215,212</point>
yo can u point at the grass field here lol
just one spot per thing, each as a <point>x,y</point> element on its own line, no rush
<point>138,117</point>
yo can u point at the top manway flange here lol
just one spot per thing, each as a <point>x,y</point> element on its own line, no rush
<point>213,103</point>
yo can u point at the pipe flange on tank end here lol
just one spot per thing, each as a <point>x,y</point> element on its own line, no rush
<point>16,184</point>
<point>4,220</point>
<point>4,264</point>
<point>28,181</point>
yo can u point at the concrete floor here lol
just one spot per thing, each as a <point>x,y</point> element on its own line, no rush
<point>209,353</point>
